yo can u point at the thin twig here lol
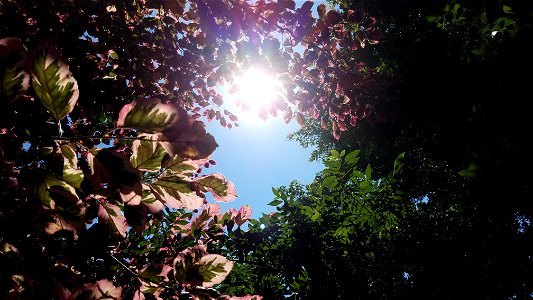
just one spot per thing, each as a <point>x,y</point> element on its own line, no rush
<point>136,274</point>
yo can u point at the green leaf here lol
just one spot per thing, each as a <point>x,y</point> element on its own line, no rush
<point>275,192</point>
<point>470,171</point>
<point>54,85</point>
<point>74,177</point>
<point>147,155</point>
<point>176,192</point>
<point>358,174</point>
<point>334,164</point>
<point>70,156</point>
<point>14,82</point>
<point>456,8</point>
<point>315,216</point>
<point>71,174</point>
<point>155,272</point>
<point>478,51</point>
<point>330,182</point>
<point>214,268</point>
<point>467,173</point>
<point>151,202</point>
<point>334,153</point>
<point>112,215</point>
<point>368,172</point>
<point>352,157</point>
<point>180,165</point>
<point>507,9</point>
<point>14,78</point>
<point>398,163</point>
<point>150,115</point>
<point>222,189</point>
<point>275,202</point>
<point>54,192</point>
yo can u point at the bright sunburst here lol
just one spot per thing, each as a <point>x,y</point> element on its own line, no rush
<point>255,89</point>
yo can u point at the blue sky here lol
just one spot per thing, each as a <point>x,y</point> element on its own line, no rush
<point>257,156</point>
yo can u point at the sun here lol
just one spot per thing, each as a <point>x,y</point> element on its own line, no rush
<point>255,89</point>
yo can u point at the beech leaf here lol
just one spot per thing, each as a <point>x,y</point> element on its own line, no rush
<point>155,272</point>
<point>214,268</point>
<point>14,78</point>
<point>150,115</point>
<point>176,192</point>
<point>186,260</point>
<point>101,290</point>
<point>222,189</point>
<point>112,167</point>
<point>180,165</point>
<point>54,85</point>
<point>112,214</point>
<point>55,192</point>
<point>244,215</point>
<point>71,174</point>
<point>189,139</point>
<point>147,155</point>
<point>150,201</point>
<point>59,224</point>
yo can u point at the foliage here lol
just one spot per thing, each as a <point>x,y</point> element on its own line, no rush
<point>101,145</point>
<point>460,116</point>
<point>333,238</point>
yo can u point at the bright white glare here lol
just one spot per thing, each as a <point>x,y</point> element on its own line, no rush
<point>256,89</point>
<point>262,226</point>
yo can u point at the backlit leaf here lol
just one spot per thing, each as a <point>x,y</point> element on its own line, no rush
<point>330,182</point>
<point>467,173</point>
<point>214,268</point>
<point>14,78</point>
<point>176,192</point>
<point>368,172</point>
<point>398,163</point>
<point>180,165</point>
<point>244,214</point>
<point>352,157</point>
<point>186,260</point>
<point>54,85</point>
<point>112,167</point>
<point>59,224</point>
<point>71,174</point>
<point>150,115</point>
<point>155,272</point>
<point>222,189</point>
<point>101,290</point>
<point>150,201</point>
<point>112,214</point>
<point>147,155</point>
<point>54,192</point>
<point>188,139</point>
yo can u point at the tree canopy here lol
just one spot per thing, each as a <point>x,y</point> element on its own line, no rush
<point>102,146</point>
<point>457,215</point>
